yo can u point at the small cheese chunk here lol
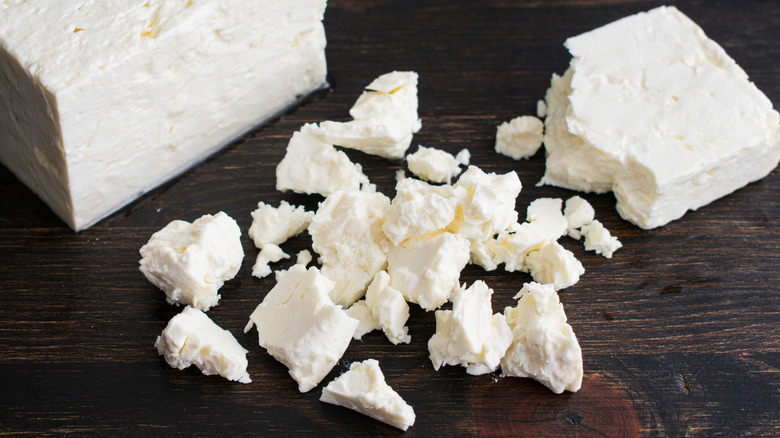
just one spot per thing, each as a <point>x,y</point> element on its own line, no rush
<point>427,269</point>
<point>541,108</point>
<point>347,234</point>
<point>597,238</point>
<point>434,165</point>
<point>487,203</point>
<point>298,324</point>
<point>384,118</point>
<point>544,346</point>
<point>389,308</point>
<point>463,157</point>
<point>510,247</point>
<point>363,389</point>
<point>470,334</point>
<point>545,218</point>
<point>520,137</point>
<point>191,261</point>
<point>655,111</point>
<point>313,166</point>
<point>269,254</point>
<point>276,225</point>
<point>578,213</point>
<point>555,265</point>
<point>303,257</point>
<point>360,311</point>
<point>191,337</point>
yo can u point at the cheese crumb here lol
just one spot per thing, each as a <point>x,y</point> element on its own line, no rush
<point>360,311</point>
<point>578,213</point>
<point>597,238</point>
<point>389,308</point>
<point>555,265</point>
<point>276,225</point>
<point>269,254</point>
<point>434,165</point>
<point>519,138</point>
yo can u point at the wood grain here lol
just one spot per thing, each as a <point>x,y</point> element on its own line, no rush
<point>679,329</point>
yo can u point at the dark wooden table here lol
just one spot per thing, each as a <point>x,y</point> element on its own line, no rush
<point>679,331</point>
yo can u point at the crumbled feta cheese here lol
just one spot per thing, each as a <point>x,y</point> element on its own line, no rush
<point>510,247</point>
<point>597,238</point>
<point>389,308</point>
<point>487,203</point>
<point>463,157</point>
<point>269,254</point>
<point>434,165</point>
<point>360,311</point>
<point>276,225</point>
<point>312,166</point>
<point>298,324</point>
<point>303,257</point>
<point>553,264</point>
<point>363,389</point>
<point>541,108</point>
<point>519,138</point>
<point>191,261</point>
<point>384,118</point>
<point>470,334</point>
<point>426,269</point>
<point>544,346</point>
<point>545,217</point>
<point>347,234</point>
<point>191,337</point>
<point>578,213</point>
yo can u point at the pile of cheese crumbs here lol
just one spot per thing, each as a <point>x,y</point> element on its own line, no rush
<point>377,255</point>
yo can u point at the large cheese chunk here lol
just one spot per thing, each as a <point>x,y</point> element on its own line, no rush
<point>191,337</point>
<point>299,325</point>
<point>102,101</point>
<point>655,111</point>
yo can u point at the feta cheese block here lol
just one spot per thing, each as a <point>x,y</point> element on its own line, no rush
<point>470,334</point>
<point>426,269</point>
<point>655,111</point>
<point>347,233</point>
<point>384,118</point>
<point>191,261</point>
<point>544,346</point>
<point>434,165</point>
<point>191,337</point>
<point>520,137</point>
<point>276,225</point>
<point>555,265</point>
<point>269,254</point>
<point>299,325</point>
<point>363,389</point>
<point>388,307</point>
<point>115,98</point>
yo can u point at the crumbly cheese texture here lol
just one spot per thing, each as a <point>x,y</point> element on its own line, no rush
<point>277,224</point>
<point>269,254</point>
<point>384,118</point>
<point>470,334</point>
<point>191,261</point>
<point>555,265</point>
<point>598,239</point>
<point>486,204</point>
<point>363,389</point>
<point>578,213</point>
<point>312,166</point>
<point>360,311</point>
<point>347,233</point>
<point>434,165</point>
<point>655,111</point>
<point>298,324</point>
<point>520,137</point>
<point>544,346</point>
<point>388,307</point>
<point>191,337</point>
<point>117,97</point>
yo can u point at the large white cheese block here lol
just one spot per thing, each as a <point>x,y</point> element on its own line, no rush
<point>101,101</point>
<point>657,112</point>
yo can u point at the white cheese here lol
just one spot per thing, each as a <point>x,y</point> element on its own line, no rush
<point>544,346</point>
<point>347,234</point>
<point>487,202</point>
<point>298,324</point>
<point>555,265</point>
<point>541,108</point>
<point>276,225</point>
<point>360,311</point>
<point>313,166</point>
<point>363,389</point>
<point>389,308</point>
<point>115,98</point>
<point>191,261</point>
<point>520,137</point>
<point>463,157</point>
<point>426,269</point>
<point>597,238</point>
<point>434,165</point>
<point>269,254</point>
<point>303,257</point>
<point>384,118</point>
<point>191,337</point>
<point>470,334</point>
<point>510,247</point>
<point>546,219</point>
<point>655,111</point>
<point>578,213</point>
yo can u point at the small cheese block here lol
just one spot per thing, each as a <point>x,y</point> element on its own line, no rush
<point>191,337</point>
<point>655,111</point>
<point>114,98</point>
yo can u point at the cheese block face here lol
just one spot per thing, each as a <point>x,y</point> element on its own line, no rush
<point>115,98</point>
<point>655,111</point>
